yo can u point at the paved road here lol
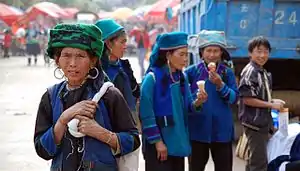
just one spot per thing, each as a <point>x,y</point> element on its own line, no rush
<point>21,88</point>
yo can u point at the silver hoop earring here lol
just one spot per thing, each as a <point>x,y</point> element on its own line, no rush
<point>169,64</point>
<point>97,73</point>
<point>62,75</point>
<point>109,53</point>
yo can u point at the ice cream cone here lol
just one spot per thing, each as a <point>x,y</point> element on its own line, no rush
<point>212,66</point>
<point>201,85</point>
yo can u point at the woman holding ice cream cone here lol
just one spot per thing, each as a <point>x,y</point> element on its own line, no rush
<point>211,129</point>
<point>165,101</point>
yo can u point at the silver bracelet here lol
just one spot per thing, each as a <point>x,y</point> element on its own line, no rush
<point>109,138</point>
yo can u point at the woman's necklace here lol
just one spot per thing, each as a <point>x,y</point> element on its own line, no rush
<point>170,72</point>
<point>70,87</point>
<point>171,76</point>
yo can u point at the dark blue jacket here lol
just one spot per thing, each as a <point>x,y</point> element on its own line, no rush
<point>97,155</point>
<point>214,123</point>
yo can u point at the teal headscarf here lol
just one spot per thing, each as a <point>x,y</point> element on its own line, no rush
<point>81,36</point>
<point>167,41</point>
<point>109,28</point>
<point>213,38</point>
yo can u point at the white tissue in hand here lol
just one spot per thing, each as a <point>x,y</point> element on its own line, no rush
<point>73,128</point>
<point>73,124</point>
<point>102,91</point>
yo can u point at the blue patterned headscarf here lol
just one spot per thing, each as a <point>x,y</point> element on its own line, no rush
<point>167,41</point>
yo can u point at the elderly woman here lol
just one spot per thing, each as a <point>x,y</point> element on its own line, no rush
<point>107,125</point>
<point>118,70</point>
<point>165,102</point>
<point>211,129</point>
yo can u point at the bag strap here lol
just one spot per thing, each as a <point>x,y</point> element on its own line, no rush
<point>267,87</point>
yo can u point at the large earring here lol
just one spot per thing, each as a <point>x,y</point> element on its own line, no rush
<point>97,73</point>
<point>62,75</point>
<point>170,71</point>
<point>109,53</point>
<point>109,49</point>
<point>169,64</point>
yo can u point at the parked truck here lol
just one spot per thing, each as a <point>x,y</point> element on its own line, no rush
<point>278,20</point>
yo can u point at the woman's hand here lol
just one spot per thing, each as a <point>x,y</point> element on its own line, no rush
<point>277,106</point>
<point>162,151</point>
<point>201,98</point>
<point>216,79</point>
<point>84,108</point>
<point>89,126</point>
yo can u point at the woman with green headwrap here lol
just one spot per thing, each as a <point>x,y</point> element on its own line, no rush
<point>104,130</point>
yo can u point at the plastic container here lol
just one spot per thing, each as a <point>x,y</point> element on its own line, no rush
<point>275,115</point>
<point>283,121</point>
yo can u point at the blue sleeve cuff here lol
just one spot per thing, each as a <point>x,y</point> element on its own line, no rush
<point>222,90</point>
<point>228,94</point>
<point>126,142</point>
<point>48,142</point>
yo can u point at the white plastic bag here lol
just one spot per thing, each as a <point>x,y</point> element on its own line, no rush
<point>281,145</point>
<point>129,162</point>
<point>283,121</point>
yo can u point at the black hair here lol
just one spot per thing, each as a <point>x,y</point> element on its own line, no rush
<point>117,35</point>
<point>162,57</point>
<point>106,51</point>
<point>258,41</point>
<point>162,61</point>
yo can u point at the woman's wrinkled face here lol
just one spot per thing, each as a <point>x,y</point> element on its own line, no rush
<point>75,63</point>
<point>119,46</point>
<point>212,54</point>
<point>179,58</point>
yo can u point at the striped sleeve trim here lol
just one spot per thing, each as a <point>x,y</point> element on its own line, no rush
<point>228,94</point>
<point>152,133</point>
<point>126,142</point>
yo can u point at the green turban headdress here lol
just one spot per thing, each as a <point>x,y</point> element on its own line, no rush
<point>82,36</point>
